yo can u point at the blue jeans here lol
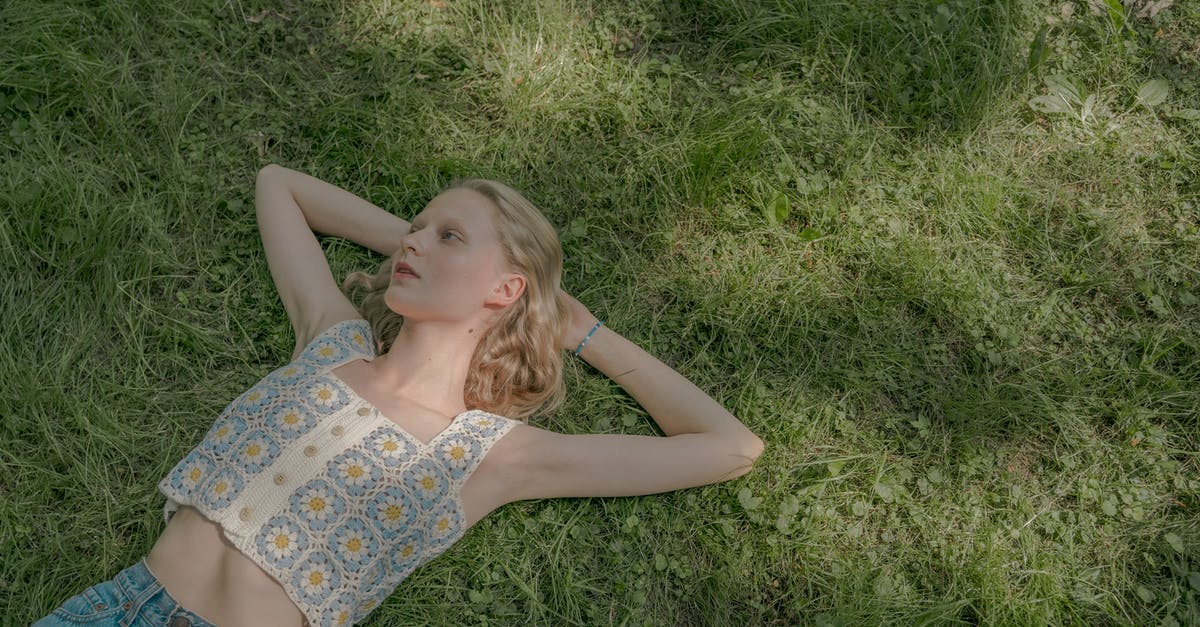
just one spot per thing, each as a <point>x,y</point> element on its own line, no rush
<point>133,598</point>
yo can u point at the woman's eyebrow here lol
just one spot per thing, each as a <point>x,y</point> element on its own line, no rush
<point>449,222</point>
<point>452,222</point>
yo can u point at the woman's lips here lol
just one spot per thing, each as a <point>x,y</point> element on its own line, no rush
<point>403,269</point>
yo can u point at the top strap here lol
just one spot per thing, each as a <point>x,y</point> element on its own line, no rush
<point>477,431</point>
<point>340,343</point>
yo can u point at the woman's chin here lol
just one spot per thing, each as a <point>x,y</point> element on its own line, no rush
<point>396,305</point>
<point>406,310</point>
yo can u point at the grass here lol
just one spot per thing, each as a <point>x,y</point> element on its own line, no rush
<point>970,344</point>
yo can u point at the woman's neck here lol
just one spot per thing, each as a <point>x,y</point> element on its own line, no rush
<point>428,364</point>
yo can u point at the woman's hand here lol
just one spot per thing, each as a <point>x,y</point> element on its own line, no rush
<point>580,323</point>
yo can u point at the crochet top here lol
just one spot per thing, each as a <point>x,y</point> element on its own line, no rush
<point>321,490</point>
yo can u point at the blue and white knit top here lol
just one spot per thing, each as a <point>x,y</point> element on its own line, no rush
<point>321,490</point>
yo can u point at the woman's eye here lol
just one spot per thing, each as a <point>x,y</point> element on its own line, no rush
<point>414,228</point>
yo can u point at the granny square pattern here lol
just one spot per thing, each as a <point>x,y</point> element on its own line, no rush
<point>330,497</point>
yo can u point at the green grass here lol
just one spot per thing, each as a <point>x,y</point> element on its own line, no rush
<point>971,345</point>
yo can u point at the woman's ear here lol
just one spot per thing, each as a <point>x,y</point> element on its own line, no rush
<point>508,291</point>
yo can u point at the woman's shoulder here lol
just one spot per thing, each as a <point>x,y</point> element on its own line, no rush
<point>338,341</point>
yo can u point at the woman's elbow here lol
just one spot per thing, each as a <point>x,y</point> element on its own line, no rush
<point>753,449</point>
<point>749,445</point>
<point>744,455</point>
<point>269,169</point>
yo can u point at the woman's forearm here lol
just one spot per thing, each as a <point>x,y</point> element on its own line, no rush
<point>332,210</point>
<point>675,403</point>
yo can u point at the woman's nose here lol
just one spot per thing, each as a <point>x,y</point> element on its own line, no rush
<point>408,242</point>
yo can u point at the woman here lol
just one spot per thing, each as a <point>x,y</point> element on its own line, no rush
<point>323,486</point>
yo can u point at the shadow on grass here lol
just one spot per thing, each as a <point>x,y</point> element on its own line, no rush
<point>908,65</point>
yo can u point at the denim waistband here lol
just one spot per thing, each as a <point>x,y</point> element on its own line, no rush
<point>149,599</point>
<point>137,580</point>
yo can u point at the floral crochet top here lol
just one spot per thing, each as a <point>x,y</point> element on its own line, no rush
<point>324,492</point>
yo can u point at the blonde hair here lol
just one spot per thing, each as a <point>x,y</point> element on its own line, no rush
<point>516,370</point>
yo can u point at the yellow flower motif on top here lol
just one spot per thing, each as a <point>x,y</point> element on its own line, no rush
<point>354,473</point>
<point>325,351</point>
<point>289,371</point>
<point>226,431</point>
<point>407,551</point>
<point>358,338</point>
<point>323,395</point>
<point>456,453</point>
<point>353,547</point>
<point>256,450</point>
<point>391,448</point>
<point>428,482</point>
<point>281,542</point>
<point>194,473</point>
<point>343,618</point>
<point>443,524</point>
<point>316,580</point>
<point>220,488</point>
<point>392,510</point>
<point>291,419</point>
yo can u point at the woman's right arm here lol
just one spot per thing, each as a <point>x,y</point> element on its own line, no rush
<point>290,206</point>
<point>332,210</point>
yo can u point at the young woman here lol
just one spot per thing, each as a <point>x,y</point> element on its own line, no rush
<point>399,423</point>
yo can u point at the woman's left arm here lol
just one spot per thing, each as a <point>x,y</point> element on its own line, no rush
<point>675,403</point>
<point>705,443</point>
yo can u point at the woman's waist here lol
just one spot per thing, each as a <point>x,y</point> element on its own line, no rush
<point>208,575</point>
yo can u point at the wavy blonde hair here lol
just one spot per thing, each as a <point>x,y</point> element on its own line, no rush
<point>516,370</point>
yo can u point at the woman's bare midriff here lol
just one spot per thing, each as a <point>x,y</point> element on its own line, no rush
<point>206,574</point>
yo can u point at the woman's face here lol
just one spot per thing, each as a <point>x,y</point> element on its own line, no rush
<point>455,251</point>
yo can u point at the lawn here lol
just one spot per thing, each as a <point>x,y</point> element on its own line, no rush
<point>941,255</point>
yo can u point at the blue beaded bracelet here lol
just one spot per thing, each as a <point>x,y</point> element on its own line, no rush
<point>588,337</point>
